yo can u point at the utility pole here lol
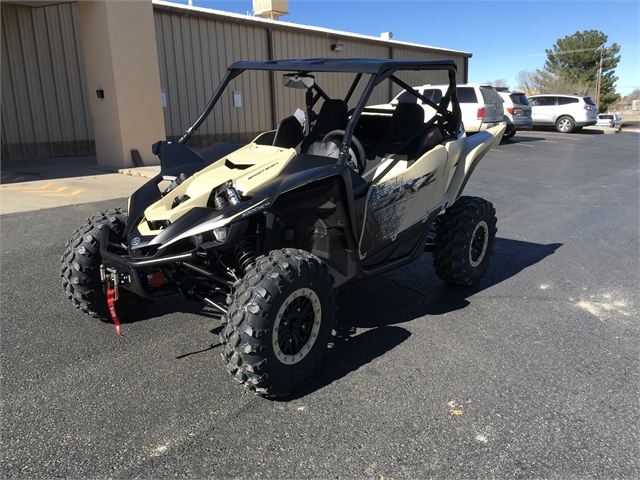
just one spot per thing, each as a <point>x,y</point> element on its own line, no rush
<point>599,84</point>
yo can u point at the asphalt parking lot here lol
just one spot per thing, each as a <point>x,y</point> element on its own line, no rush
<point>533,373</point>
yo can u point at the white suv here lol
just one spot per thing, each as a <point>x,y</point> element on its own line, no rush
<point>481,105</point>
<point>568,113</point>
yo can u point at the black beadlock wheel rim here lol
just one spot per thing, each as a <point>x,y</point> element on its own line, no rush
<point>297,325</point>
<point>479,243</point>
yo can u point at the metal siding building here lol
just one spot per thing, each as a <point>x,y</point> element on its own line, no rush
<point>45,107</point>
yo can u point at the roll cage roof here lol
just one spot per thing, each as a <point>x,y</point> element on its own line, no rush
<point>372,66</point>
<point>379,69</point>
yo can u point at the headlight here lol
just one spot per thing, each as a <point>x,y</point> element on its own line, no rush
<point>221,234</point>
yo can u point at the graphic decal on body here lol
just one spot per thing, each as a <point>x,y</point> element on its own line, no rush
<point>387,207</point>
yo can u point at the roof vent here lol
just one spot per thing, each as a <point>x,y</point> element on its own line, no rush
<point>271,9</point>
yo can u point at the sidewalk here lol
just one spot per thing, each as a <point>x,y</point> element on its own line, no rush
<point>34,184</point>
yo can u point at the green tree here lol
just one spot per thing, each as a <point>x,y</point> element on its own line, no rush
<point>576,59</point>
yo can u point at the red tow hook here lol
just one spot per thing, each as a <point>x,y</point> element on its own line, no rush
<point>111,302</point>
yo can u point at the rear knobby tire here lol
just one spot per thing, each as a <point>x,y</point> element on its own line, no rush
<point>81,268</point>
<point>465,236</point>
<point>281,315</point>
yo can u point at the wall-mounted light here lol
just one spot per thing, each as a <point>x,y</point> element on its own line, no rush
<point>336,47</point>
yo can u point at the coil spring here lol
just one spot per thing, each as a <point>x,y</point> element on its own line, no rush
<point>245,254</point>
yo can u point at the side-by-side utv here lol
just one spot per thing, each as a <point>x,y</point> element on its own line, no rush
<point>265,233</point>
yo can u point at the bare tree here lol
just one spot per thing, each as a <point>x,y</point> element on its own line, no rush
<point>635,95</point>
<point>546,81</point>
<point>528,81</point>
<point>500,82</point>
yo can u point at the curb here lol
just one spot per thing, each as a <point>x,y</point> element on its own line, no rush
<point>145,172</point>
<point>605,130</point>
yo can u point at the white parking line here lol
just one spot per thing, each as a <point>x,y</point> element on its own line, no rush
<point>569,136</point>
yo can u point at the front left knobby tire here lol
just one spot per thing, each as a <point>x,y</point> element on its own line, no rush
<point>281,315</point>
<point>464,241</point>
<point>81,262</point>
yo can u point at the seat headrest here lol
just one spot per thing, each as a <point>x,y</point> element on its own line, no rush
<point>410,113</point>
<point>334,106</point>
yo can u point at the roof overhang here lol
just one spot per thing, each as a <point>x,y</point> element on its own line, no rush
<point>190,11</point>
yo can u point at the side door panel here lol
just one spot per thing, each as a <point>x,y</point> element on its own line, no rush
<point>544,111</point>
<point>401,197</point>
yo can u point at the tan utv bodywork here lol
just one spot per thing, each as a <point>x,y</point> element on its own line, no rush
<point>430,184</point>
<point>247,168</point>
<point>437,179</point>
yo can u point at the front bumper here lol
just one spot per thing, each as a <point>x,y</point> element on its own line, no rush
<point>121,266</point>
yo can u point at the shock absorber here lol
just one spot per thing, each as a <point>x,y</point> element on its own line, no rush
<point>226,195</point>
<point>232,194</point>
<point>245,253</point>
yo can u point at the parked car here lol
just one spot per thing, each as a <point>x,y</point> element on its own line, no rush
<point>480,104</point>
<point>608,120</point>
<point>567,112</point>
<point>516,111</point>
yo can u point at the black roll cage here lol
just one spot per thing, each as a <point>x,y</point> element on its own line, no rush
<point>379,69</point>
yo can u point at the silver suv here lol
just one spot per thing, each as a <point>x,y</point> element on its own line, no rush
<point>568,113</point>
<point>517,111</point>
<point>481,105</point>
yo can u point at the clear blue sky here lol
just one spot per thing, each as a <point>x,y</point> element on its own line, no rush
<point>505,37</point>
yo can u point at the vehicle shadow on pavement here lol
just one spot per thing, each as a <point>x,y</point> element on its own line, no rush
<point>170,305</point>
<point>509,258</point>
<point>520,139</point>
<point>403,295</point>
<point>583,131</point>
<point>350,352</point>
<point>415,290</point>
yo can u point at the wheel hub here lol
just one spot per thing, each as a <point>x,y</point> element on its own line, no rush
<point>296,326</point>
<point>479,243</point>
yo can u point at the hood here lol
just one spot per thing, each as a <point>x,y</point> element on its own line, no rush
<point>247,168</point>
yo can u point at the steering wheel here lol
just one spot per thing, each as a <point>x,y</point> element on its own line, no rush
<point>357,157</point>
